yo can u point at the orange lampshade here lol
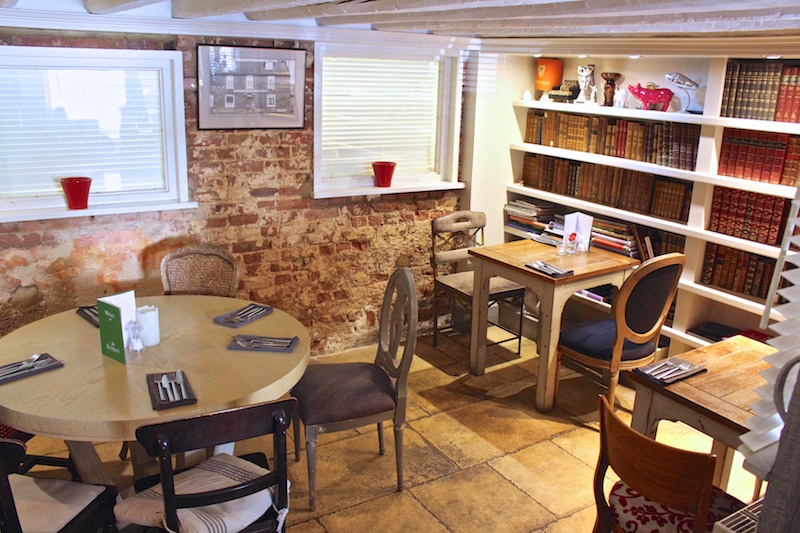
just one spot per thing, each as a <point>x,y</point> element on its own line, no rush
<point>548,73</point>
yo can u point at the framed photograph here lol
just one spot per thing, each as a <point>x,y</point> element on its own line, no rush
<point>245,87</point>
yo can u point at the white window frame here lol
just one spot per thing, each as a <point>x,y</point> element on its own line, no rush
<point>449,123</point>
<point>170,67</point>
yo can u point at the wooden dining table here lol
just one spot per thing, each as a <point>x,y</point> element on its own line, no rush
<point>716,402</point>
<point>94,398</point>
<point>509,260</point>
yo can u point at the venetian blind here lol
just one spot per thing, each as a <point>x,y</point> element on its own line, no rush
<point>379,110</point>
<point>105,123</point>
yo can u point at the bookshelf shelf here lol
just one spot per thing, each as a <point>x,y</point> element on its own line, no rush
<point>697,300</point>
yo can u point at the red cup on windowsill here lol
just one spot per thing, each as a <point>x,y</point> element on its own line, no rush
<point>383,172</point>
<point>76,190</point>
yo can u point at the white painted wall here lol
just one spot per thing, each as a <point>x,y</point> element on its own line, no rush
<point>492,82</point>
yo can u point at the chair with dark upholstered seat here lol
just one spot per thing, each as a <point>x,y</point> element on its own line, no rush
<point>629,339</point>
<point>8,432</point>
<point>224,493</point>
<point>49,505</point>
<point>335,397</point>
<point>660,488</point>
<point>453,235</point>
<point>200,269</point>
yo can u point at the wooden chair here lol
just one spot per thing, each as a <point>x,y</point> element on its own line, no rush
<point>628,339</point>
<point>200,269</point>
<point>335,397</point>
<point>30,504</point>
<point>31,460</point>
<point>661,488</point>
<point>224,493</point>
<point>453,235</point>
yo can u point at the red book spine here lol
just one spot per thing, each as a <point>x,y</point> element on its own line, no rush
<point>750,155</point>
<point>739,209</point>
<point>716,204</point>
<point>758,163</point>
<point>725,168</point>
<point>777,220</point>
<point>749,199</point>
<point>724,210</point>
<point>794,105</point>
<point>760,218</point>
<point>741,153</point>
<point>782,139</point>
<point>783,90</point>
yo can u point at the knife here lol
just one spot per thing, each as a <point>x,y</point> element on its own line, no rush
<point>165,383</point>
<point>179,381</point>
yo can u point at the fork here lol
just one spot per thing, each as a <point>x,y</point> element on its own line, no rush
<point>257,343</point>
<point>20,365</point>
<point>246,314</point>
<point>675,370</point>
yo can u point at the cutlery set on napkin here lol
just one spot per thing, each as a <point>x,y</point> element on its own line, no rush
<point>669,370</point>
<point>89,313</point>
<point>243,316</point>
<point>259,343</point>
<point>169,389</point>
<point>40,362</point>
<point>551,270</point>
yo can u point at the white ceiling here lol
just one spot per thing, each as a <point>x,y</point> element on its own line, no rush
<point>484,19</point>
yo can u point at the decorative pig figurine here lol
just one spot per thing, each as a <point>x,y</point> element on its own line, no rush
<point>651,96</point>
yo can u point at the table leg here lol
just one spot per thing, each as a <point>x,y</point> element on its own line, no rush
<point>88,463</point>
<point>724,464</point>
<point>480,320</point>
<point>550,311</point>
<point>643,420</point>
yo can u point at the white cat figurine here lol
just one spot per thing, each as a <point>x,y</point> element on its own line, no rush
<point>621,97</point>
<point>585,82</point>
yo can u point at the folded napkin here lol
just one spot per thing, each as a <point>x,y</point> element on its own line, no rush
<point>23,369</point>
<point>245,315</point>
<point>89,313</point>
<point>669,370</point>
<point>257,343</point>
<point>548,269</point>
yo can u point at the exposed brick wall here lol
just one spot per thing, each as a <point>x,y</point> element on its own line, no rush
<point>326,262</point>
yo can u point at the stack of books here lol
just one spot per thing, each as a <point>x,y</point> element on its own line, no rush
<point>529,216</point>
<point>759,156</point>
<point>607,234</point>
<point>749,215</point>
<point>738,271</point>
<point>762,90</point>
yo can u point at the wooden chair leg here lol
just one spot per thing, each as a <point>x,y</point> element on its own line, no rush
<point>381,443</point>
<point>435,321</point>
<point>398,452</point>
<point>311,456</point>
<point>613,379</point>
<point>296,424</point>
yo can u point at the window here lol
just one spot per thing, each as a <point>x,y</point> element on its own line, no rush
<point>384,105</point>
<point>113,115</point>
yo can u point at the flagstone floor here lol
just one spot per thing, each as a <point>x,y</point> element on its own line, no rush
<point>478,456</point>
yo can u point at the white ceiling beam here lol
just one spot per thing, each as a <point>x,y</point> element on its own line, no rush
<point>655,8</point>
<point>104,7</point>
<point>8,3</point>
<point>208,8</point>
<point>631,26</point>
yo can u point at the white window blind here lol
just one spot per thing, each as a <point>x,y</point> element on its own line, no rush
<point>115,116</point>
<point>380,110</point>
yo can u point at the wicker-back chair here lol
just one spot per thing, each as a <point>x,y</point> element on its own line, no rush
<point>200,269</point>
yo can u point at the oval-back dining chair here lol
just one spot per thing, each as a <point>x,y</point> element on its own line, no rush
<point>200,269</point>
<point>628,339</point>
<point>335,397</point>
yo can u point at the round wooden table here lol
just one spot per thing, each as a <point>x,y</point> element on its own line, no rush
<point>94,398</point>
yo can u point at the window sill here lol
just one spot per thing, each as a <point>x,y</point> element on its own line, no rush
<point>97,210</point>
<point>394,189</point>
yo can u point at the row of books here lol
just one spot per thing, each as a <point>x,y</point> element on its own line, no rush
<point>642,192</point>
<point>667,144</point>
<point>749,215</point>
<point>759,156</point>
<point>762,90</point>
<point>736,270</point>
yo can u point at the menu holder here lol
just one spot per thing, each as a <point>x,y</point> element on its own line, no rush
<point>669,370</point>
<point>89,313</point>
<point>44,363</point>
<point>153,381</point>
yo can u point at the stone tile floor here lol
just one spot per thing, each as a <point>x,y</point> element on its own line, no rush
<point>478,456</point>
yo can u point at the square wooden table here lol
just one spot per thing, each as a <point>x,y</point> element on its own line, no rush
<point>716,402</point>
<point>508,260</point>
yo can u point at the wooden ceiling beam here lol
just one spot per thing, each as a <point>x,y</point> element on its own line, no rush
<point>104,7</point>
<point>654,8</point>
<point>208,8</point>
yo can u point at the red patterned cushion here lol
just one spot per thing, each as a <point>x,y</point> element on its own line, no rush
<point>634,513</point>
<point>7,432</point>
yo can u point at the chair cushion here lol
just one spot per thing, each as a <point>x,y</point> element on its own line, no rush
<point>46,505</point>
<point>147,507</point>
<point>633,512</point>
<point>596,339</point>
<point>343,391</point>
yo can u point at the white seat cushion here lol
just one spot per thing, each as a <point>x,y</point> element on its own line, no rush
<point>147,507</point>
<point>47,505</point>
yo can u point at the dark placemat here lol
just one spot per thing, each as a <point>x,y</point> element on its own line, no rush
<point>89,313</point>
<point>661,368</point>
<point>245,315</point>
<point>153,381</point>
<point>44,363</point>
<point>257,347</point>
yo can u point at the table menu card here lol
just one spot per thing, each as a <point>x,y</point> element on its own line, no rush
<point>114,312</point>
